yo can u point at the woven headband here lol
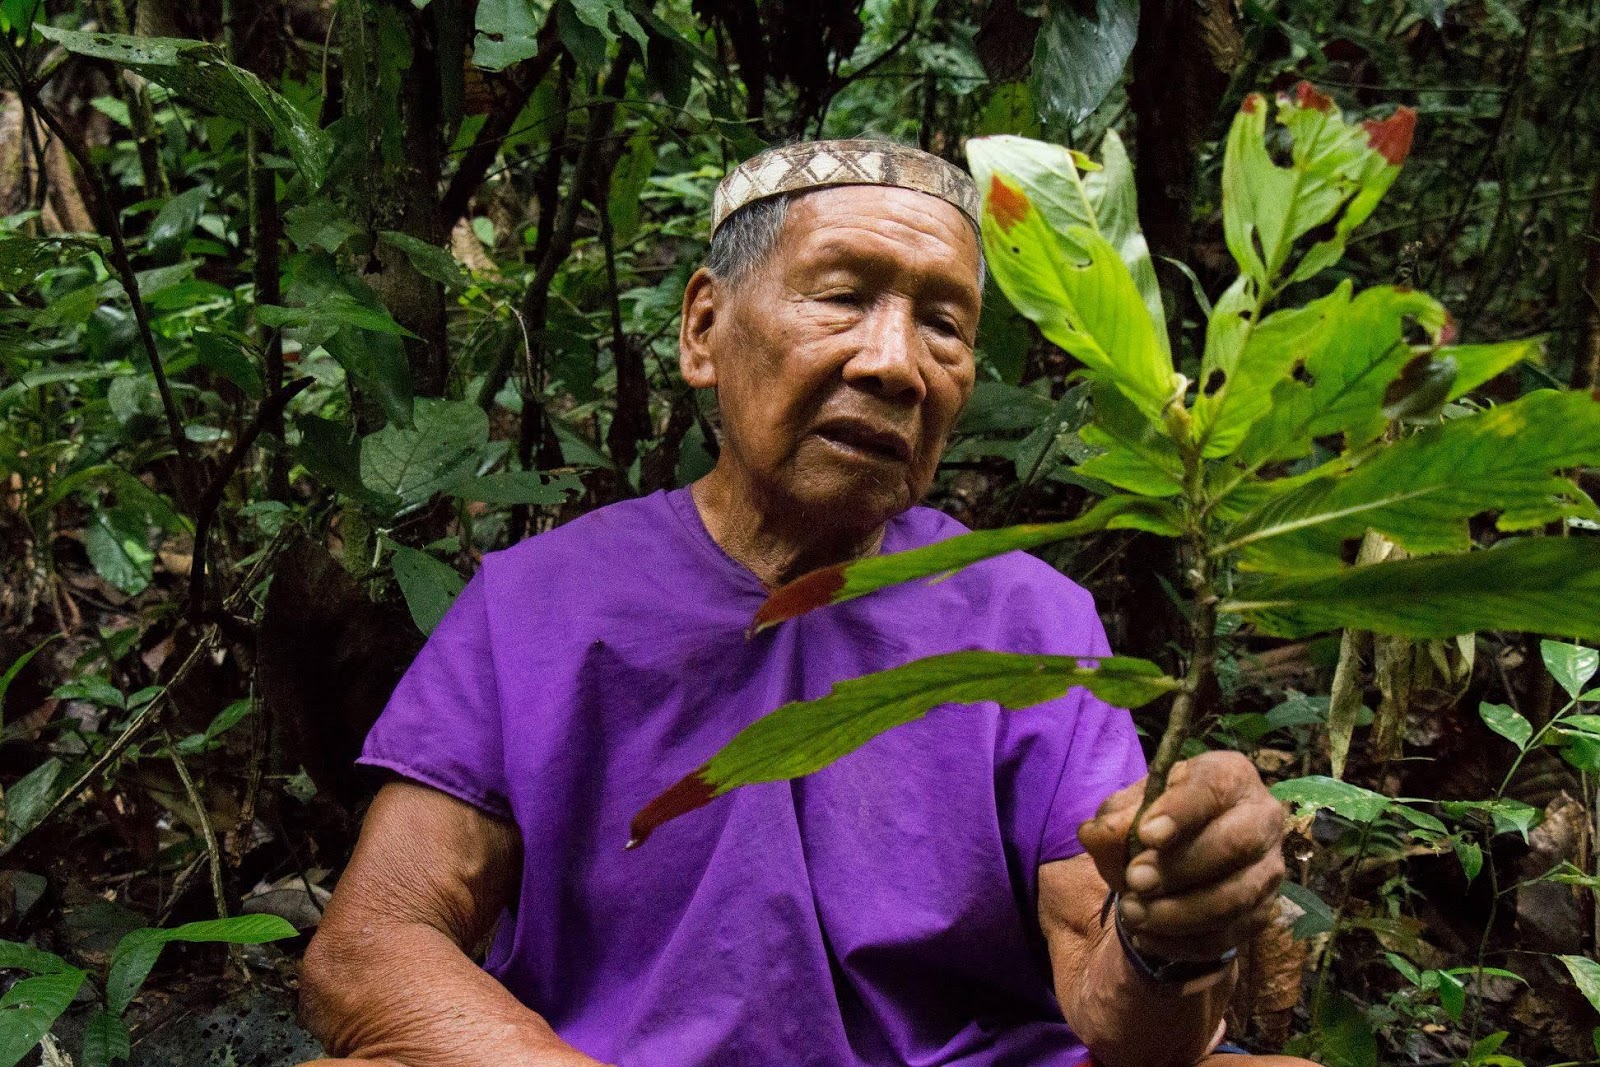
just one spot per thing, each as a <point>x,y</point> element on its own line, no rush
<point>817,164</point>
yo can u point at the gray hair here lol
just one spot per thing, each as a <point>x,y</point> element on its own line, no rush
<point>748,236</point>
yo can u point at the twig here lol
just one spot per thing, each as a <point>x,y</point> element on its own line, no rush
<point>206,512</point>
<point>146,717</point>
<point>213,852</point>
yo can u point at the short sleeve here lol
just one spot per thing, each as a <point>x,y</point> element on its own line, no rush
<point>1063,758</point>
<point>442,726</point>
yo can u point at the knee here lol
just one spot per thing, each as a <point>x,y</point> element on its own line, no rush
<point>1225,1059</point>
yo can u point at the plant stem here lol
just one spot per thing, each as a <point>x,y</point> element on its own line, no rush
<point>1199,570</point>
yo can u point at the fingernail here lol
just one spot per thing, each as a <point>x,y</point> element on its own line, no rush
<point>1143,877</point>
<point>1155,832</point>
<point>1132,912</point>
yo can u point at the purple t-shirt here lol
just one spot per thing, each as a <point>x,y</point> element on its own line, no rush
<point>880,911</point>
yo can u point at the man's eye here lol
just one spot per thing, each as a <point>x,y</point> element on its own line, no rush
<point>947,327</point>
<point>846,298</point>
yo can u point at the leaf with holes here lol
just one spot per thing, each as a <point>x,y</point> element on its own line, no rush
<point>1342,798</point>
<point>1064,274</point>
<point>1338,173</point>
<point>805,736</point>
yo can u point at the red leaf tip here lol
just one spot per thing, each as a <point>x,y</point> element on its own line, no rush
<point>1448,332</point>
<point>1252,103</point>
<point>693,791</point>
<point>809,591</point>
<point>1308,95</point>
<point>1391,137</point>
<point>1010,206</point>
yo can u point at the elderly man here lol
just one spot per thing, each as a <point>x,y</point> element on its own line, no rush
<point>934,898</point>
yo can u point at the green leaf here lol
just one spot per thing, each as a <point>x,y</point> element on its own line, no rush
<point>117,541</point>
<point>1405,967</point>
<point>431,261</point>
<point>430,586</point>
<point>176,221</point>
<point>105,1040</point>
<point>320,223</point>
<point>1452,995</point>
<point>1507,722</point>
<point>1586,976</point>
<point>1542,584</point>
<point>599,14</point>
<point>138,951</point>
<point>1079,55</point>
<point>1508,816</point>
<point>16,956</point>
<point>225,353</point>
<point>1351,350</point>
<point>201,73</point>
<point>1570,665</point>
<point>805,736</point>
<point>1422,491</point>
<point>1064,274</point>
<point>846,581</point>
<point>442,447</point>
<point>1471,857</point>
<point>24,259</point>
<point>16,668</point>
<point>1346,1035</point>
<point>1318,791</point>
<point>1316,917</point>
<point>1337,172</point>
<point>508,32</point>
<point>519,487</point>
<point>31,1007</point>
<point>28,800</point>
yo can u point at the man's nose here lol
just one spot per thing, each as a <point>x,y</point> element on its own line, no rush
<point>888,363</point>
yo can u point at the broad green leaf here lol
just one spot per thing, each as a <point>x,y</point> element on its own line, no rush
<point>1079,55</point>
<point>1350,350</point>
<point>519,487</point>
<point>1422,491</point>
<point>1509,816</point>
<point>600,14</point>
<point>1068,278</point>
<point>321,223</point>
<point>24,259</point>
<point>805,736</point>
<point>30,1008</point>
<point>1317,791</point>
<point>846,581</point>
<point>1338,173</point>
<point>1471,856</point>
<point>1586,976</point>
<point>16,956</point>
<point>28,800</point>
<point>1476,364</point>
<point>198,71</point>
<point>1507,722</point>
<point>1140,451</point>
<point>1346,1036</point>
<point>1543,585</point>
<point>138,951</point>
<point>105,1040</point>
<point>430,586</point>
<point>117,541</point>
<point>1452,995</point>
<point>1570,665</point>
<point>431,261</point>
<point>175,222</point>
<point>442,447</point>
<point>507,31</point>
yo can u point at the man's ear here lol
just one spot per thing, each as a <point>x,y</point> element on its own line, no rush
<point>695,361</point>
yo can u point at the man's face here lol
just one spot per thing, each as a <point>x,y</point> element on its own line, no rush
<point>842,361</point>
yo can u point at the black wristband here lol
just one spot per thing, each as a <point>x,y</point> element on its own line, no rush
<point>1164,971</point>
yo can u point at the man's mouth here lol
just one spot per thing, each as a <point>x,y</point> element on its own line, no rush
<point>863,437</point>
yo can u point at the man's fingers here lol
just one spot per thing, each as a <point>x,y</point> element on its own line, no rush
<point>1206,911</point>
<point>1237,839</point>
<point>1198,791</point>
<point>1105,837</point>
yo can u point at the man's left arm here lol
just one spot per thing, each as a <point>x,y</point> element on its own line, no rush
<point>1203,883</point>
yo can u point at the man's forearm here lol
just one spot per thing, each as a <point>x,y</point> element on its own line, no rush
<point>406,993</point>
<point>1127,1020</point>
